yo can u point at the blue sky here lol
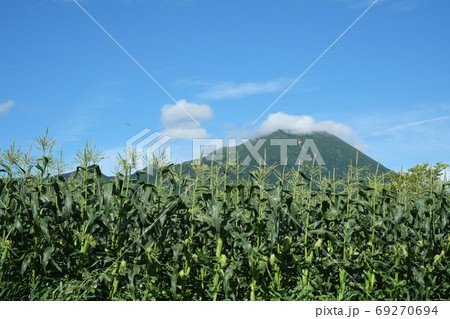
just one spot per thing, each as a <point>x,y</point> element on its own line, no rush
<point>384,86</point>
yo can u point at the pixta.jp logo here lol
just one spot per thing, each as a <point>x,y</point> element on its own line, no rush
<point>142,147</point>
<point>305,151</point>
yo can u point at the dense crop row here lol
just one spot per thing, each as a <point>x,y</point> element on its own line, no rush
<point>204,237</point>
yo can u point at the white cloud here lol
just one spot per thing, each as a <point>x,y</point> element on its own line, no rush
<point>5,107</point>
<point>174,113</point>
<point>303,124</point>
<point>229,90</point>
<point>178,123</point>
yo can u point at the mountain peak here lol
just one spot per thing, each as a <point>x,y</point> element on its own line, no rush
<point>283,134</point>
<point>321,147</point>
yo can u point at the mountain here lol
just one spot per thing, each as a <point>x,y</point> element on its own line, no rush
<point>289,151</point>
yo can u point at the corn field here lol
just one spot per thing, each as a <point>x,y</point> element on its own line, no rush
<point>203,236</point>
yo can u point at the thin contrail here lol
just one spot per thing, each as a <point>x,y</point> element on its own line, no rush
<point>315,61</point>
<point>410,124</point>
<point>135,61</point>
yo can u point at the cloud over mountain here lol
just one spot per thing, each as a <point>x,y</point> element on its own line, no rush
<point>301,124</point>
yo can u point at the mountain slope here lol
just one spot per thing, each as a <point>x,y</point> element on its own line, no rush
<point>283,149</point>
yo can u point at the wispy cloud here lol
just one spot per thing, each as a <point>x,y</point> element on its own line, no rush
<point>77,127</point>
<point>179,125</point>
<point>230,90</point>
<point>84,115</point>
<point>5,107</point>
<point>408,125</point>
<point>408,5</point>
<point>355,3</point>
<point>400,5</point>
<point>301,124</point>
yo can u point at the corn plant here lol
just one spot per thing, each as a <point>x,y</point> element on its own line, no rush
<point>211,232</point>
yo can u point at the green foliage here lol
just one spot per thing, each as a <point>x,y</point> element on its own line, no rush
<point>421,179</point>
<point>202,236</point>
